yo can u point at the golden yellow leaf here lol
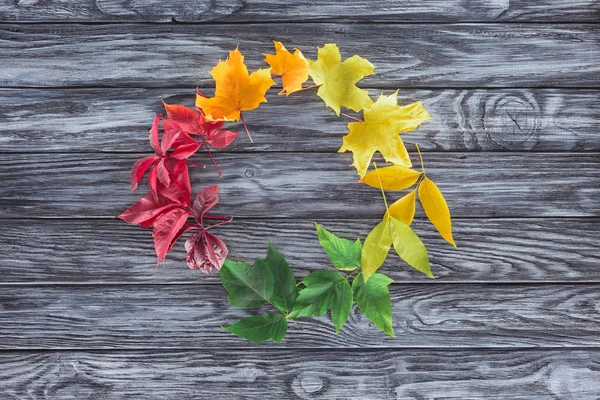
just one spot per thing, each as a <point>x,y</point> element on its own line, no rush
<point>403,209</point>
<point>375,248</point>
<point>380,131</point>
<point>338,79</point>
<point>436,209</point>
<point>293,68</point>
<point>394,177</point>
<point>235,90</point>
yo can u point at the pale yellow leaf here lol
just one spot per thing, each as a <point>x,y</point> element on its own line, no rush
<point>376,248</point>
<point>409,247</point>
<point>337,79</point>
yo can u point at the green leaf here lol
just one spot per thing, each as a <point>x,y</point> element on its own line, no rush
<point>373,300</point>
<point>376,248</point>
<point>343,253</point>
<point>260,327</point>
<point>248,287</point>
<point>284,282</point>
<point>409,247</point>
<point>325,289</point>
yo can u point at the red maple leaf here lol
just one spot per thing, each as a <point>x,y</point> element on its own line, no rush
<point>195,123</point>
<point>165,167</point>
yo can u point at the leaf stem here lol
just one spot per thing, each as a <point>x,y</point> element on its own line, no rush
<point>420,158</point>
<point>381,186</point>
<point>217,217</point>
<point>213,160</point>
<point>246,127</point>
<point>353,274</point>
<point>306,88</point>
<point>194,164</point>
<point>351,117</point>
<point>218,223</point>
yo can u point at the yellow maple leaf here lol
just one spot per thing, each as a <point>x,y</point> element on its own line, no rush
<point>293,68</point>
<point>338,79</point>
<point>436,209</point>
<point>383,122</point>
<point>235,90</point>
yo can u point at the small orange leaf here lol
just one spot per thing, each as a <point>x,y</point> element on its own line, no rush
<point>293,68</point>
<point>236,90</point>
<point>403,209</point>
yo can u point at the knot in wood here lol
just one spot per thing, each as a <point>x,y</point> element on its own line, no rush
<point>512,120</point>
<point>309,384</point>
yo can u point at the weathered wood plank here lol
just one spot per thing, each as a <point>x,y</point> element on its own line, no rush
<point>97,120</point>
<point>101,251</point>
<point>298,10</point>
<point>140,55</point>
<point>175,316</point>
<point>309,185</point>
<point>287,374</point>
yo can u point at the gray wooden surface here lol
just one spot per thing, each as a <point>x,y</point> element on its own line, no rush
<point>513,88</point>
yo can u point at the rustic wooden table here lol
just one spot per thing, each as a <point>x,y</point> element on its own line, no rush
<point>513,88</point>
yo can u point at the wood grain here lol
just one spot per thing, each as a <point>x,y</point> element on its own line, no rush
<point>309,185</point>
<point>111,252</point>
<point>176,316</point>
<point>294,374</point>
<point>105,120</point>
<point>280,11</point>
<point>144,55</point>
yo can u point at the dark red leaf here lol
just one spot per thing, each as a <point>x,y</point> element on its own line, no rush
<point>146,210</point>
<point>153,182</point>
<point>212,126</point>
<point>181,178</point>
<point>139,169</point>
<point>189,119</point>
<point>205,252</point>
<point>186,228</point>
<point>204,201</point>
<point>172,132</point>
<point>154,143</point>
<point>185,151</point>
<point>221,138</point>
<point>163,174</point>
<point>179,190</point>
<point>166,227</point>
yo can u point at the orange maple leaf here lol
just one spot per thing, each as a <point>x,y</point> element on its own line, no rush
<point>235,90</point>
<point>293,68</point>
